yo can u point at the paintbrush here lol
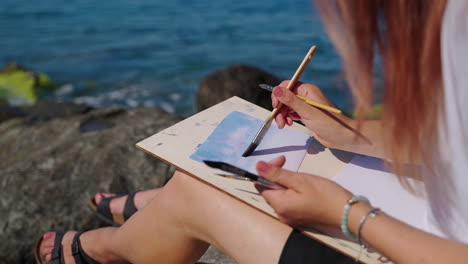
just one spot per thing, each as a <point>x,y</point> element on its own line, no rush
<point>267,123</point>
<point>241,174</point>
<point>308,101</point>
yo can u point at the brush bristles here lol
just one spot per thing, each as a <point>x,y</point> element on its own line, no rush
<point>249,150</point>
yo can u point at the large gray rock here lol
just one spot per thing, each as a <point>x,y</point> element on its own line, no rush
<point>55,156</point>
<point>49,170</point>
<point>9,112</point>
<point>44,111</point>
<point>236,80</point>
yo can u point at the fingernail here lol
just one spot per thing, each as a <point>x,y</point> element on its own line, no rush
<point>47,235</point>
<point>262,166</point>
<point>277,91</point>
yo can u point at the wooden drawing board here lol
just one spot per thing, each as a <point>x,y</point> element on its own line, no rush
<point>175,144</point>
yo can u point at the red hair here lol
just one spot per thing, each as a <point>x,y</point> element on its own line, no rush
<point>404,37</point>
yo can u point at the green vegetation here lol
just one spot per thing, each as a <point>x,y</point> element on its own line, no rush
<point>20,85</point>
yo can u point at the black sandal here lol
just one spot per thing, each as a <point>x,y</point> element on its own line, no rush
<point>102,209</point>
<point>79,255</point>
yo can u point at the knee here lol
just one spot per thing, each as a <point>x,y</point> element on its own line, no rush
<point>180,186</point>
<point>179,180</point>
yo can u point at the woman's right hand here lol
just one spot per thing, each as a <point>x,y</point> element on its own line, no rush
<point>332,130</point>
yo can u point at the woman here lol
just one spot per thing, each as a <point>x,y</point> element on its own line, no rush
<point>422,46</point>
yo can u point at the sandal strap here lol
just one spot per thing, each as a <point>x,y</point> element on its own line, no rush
<point>78,253</point>
<point>104,206</point>
<point>129,208</point>
<point>57,252</point>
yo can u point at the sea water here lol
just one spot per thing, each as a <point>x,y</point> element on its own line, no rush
<point>154,53</point>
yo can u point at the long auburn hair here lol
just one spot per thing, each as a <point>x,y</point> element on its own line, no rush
<point>403,37</point>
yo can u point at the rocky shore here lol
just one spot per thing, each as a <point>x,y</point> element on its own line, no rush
<point>54,156</point>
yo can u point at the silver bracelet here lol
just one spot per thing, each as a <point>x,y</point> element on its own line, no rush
<point>372,213</point>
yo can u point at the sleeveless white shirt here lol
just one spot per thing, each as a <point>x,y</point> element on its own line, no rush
<point>448,192</point>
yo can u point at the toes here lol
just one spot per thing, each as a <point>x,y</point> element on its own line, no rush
<point>48,236</point>
<point>106,195</point>
<point>47,243</point>
<point>47,257</point>
<point>47,246</point>
<point>100,196</point>
<point>116,205</point>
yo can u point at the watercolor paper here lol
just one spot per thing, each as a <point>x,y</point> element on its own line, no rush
<point>235,133</point>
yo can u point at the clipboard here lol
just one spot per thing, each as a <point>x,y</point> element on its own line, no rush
<point>175,144</point>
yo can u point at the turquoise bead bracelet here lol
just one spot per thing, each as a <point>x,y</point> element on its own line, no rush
<point>344,217</point>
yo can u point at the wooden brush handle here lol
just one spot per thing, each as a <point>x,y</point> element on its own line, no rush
<point>295,77</point>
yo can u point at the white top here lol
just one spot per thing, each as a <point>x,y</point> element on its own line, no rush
<point>448,193</point>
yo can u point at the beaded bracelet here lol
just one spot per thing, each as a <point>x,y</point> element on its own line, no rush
<point>344,217</point>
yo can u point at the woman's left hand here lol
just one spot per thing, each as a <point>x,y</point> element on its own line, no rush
<point>308,199</point>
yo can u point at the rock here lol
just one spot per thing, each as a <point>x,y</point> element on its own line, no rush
<point>13,67</point>
<point>236,80</point>
<point>8,112</point>
<point>44,111</point>
<point>49,170</point>
<point>214,256</point>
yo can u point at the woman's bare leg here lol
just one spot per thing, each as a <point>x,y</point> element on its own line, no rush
<point>183,219</point>
<point>187,215</point>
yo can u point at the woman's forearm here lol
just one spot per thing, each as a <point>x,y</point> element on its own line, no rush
<point>364,138</point>
<point>405,244</point>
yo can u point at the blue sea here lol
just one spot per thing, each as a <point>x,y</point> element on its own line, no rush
<point>154,53</point>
